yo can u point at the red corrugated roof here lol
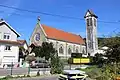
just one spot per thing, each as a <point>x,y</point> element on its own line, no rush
<point>62,35</point>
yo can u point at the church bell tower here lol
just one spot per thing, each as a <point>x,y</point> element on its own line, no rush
<point>91,33</point>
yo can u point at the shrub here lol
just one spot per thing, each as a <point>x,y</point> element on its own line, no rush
<point>102,78</point>
<point>7,77</point>
<point>94,73</point>
<point>56,65</point>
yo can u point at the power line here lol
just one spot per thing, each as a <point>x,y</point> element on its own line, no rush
<point>108,21</point>
<point>18,14</point>
<point>55,15</point>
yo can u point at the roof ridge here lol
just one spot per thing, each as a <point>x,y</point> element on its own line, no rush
<point>9,26</point>
<point>61,30</point>
<point>58,34</point>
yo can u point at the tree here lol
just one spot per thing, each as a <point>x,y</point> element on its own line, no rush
<point>46,50</point>
<point>98,59</point>
<point>29,58</point>
<point>56,65</point>
<point>113,51</point>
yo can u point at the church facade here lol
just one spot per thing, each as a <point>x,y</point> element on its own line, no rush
<point>64,42</point>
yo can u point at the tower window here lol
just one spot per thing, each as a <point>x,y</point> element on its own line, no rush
<point>89,22</point>
<point>94,22</point>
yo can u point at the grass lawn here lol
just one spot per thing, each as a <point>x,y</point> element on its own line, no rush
<point>88,69</point>
<point>92,71</point>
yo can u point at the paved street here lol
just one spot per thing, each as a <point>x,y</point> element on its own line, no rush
<point>52,77</point>
<point>20,71</point>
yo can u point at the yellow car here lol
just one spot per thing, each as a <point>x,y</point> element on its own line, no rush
<point>73,75</point>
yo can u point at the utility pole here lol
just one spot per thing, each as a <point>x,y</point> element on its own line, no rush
<point>11,68</point>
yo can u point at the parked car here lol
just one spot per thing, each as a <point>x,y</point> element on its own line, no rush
<point>73,75</point>
<point>40,64</point>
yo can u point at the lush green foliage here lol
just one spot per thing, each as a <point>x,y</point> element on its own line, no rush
<point>56,65</point>
<point>88,69</point>
<point>30,58</point>
<point>6,78</point>
<point>113,51</point>
<point>99,60</point>
<point>47,51</point>
<point>110,66</point>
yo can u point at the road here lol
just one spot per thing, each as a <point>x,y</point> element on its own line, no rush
<point>19,71</point>
<point>52,77</point>
<point>22,71</point>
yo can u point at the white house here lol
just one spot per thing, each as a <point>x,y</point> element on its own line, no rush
<point>9,46</point>
<point>64,42</point>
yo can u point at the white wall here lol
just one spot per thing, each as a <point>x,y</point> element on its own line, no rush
<point>66,45</point>
<point>4,29</point>
<point>9,56</point>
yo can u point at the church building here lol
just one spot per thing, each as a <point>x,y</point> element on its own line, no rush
<point>64,42</point>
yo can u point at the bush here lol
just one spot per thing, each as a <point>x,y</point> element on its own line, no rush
<point>88,69</point>
<point>102,78</point>
<point>7,77</point>
<point>56,65</point>
<point>94,73</point>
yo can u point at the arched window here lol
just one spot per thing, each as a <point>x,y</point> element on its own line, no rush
<point>69,51</point>
<point>83,51</point>
<point>61,49</point>
<point>73,48</point>
<point>76,50</point>
<point>89,22</point>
